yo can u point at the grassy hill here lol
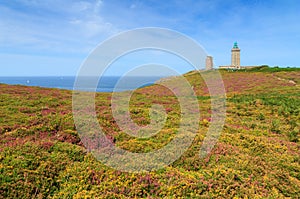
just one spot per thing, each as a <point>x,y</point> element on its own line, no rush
<point>257,155</point>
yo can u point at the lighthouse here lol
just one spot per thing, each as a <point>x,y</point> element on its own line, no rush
<point>235,56</point>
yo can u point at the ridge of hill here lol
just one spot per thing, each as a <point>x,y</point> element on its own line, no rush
<point>257,155</point>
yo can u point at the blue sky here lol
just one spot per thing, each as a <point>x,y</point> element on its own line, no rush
<point>53,37</point>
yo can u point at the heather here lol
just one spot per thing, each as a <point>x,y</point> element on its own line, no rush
<point>257,155</point>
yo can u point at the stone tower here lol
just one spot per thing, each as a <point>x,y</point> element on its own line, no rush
<point>209,63</point>
<point>235,56</point>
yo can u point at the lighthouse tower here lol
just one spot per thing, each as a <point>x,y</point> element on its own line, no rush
<point>235,56</point>
<point>209,63</point>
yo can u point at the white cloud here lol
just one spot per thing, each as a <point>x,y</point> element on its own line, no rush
<point>80,6</point>
<point>59,27</point>
<point>90,22</point>
<point>132,6</point>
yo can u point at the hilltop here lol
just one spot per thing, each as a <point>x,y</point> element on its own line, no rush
<point>257,155</point>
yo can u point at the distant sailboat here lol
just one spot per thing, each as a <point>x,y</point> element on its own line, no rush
<point>27,81</point>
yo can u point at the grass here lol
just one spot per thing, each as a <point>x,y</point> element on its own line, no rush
<point>257,155</point>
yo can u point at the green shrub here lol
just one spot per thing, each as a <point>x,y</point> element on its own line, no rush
<point>275,124</point>
<point>261,116</point>
<point>293,136</point>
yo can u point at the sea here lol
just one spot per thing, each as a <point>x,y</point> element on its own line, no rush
<point>105,84</point>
